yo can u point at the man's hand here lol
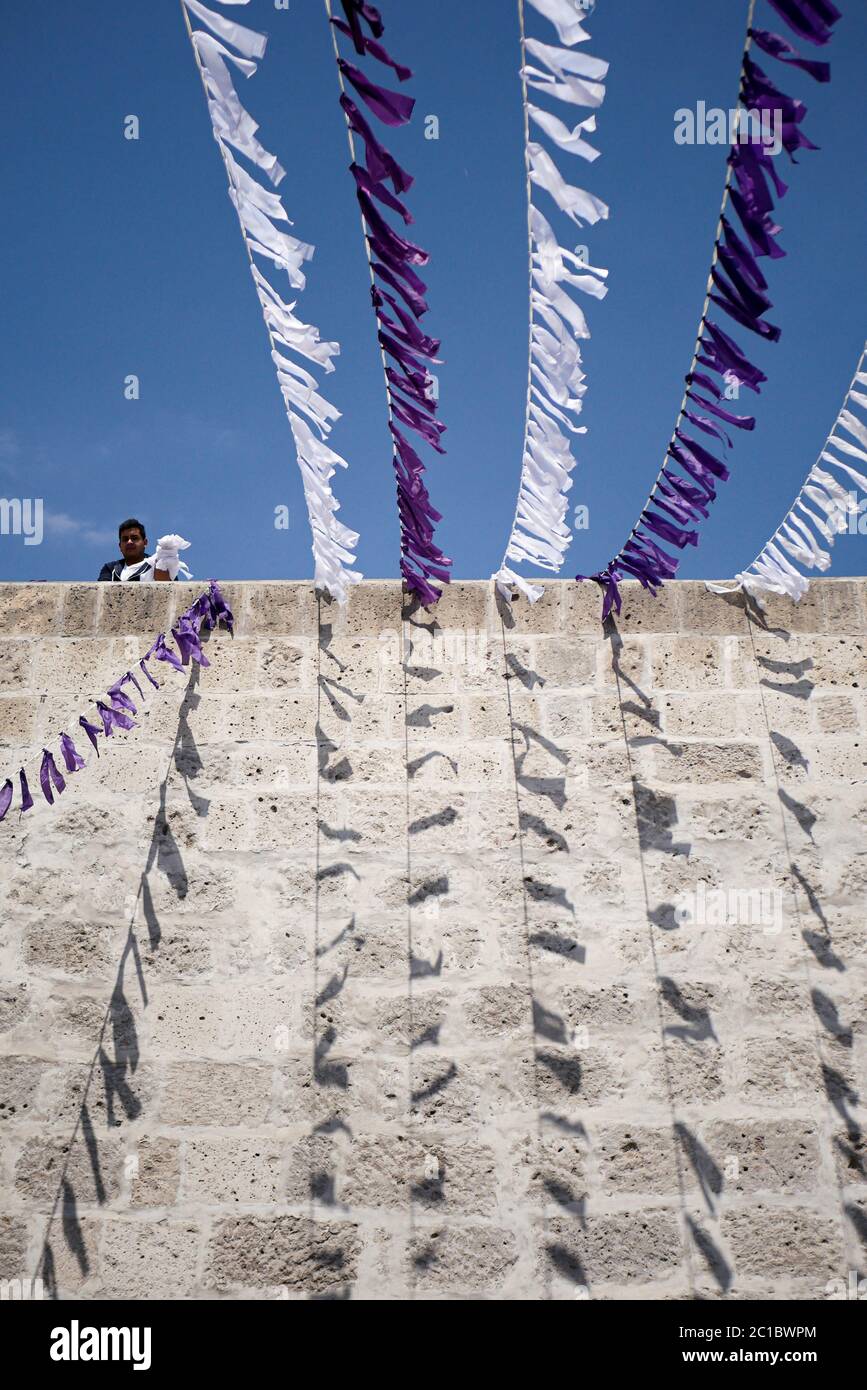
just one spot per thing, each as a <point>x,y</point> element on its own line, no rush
<point>162,574</point>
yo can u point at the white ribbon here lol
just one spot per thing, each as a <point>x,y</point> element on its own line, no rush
<point>258,210</point>
<point>247,41</point>
<point>564,64</point>
<point>571,89</point>
<point>563,14</point>
<point>577,203</point>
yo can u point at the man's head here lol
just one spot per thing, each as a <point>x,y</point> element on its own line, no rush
<point>133,541</point>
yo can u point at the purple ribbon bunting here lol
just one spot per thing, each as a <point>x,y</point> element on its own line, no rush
<point>392,258</point>
<point>209,610</point>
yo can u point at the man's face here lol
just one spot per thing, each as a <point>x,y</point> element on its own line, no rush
<point>132,545</point>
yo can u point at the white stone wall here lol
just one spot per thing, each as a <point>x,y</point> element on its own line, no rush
<point>389,956</point>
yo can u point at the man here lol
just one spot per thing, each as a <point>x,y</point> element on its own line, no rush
<point>137,566</point>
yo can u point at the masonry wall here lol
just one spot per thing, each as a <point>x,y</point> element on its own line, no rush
<point>393,955</point>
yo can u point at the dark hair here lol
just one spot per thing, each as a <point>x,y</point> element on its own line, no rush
<point>128,525</point>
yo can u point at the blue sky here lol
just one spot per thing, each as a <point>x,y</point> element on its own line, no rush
<point>126,257</point>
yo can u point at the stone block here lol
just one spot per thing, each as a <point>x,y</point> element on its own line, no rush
<point>283,610</point>
<point>145,609</point>
<point>784,1244</point>
<point>30,609</point>
<point>315,1258</point>
<point>154,1173</point>
<point>473,1259</point>
<point>228,1169</point>
<point>16,664</point>
<point>143,1259</point>
<point>209,1094</point>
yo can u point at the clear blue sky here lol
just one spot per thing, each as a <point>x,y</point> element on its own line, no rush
<point>126,257</point>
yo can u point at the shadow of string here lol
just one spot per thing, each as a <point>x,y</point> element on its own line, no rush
<point>616,642</point>
<point>750,618</point>
<point>406,656</point>
<point>528,956</point>
<point>64,1191</point>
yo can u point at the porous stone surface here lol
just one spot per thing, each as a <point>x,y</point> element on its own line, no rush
<point>472,953</point>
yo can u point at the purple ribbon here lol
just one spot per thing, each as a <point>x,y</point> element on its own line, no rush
<point>723,355</point>
<point>380,192</point>
<point>740,254</point>
<point>740,422</point>
<point>695,496</point>
<point>413,297</point>
<point>778,47</point>
<point>675,535</point>
<point>398,247</point>
<point>71,757</point>
<point>5,798</point>
<point>360,9</point>
<point>119,698</point>
<point>220,610</point>
<point>811,19</point>
<point>26,798</point>
<point>707,426</point>
<point>48,773</point>
<point>187,639</point>
<point>380,164</point>
<point>160,652</point>
<point>146,672</point>
<point>92,732</point>
<point>392,108</point>
<point>704,456</point>
<point>375,49</point>
<point>113,718</point>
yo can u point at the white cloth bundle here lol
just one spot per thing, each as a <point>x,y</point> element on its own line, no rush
<point>259,210</point>
<point>166,556</point>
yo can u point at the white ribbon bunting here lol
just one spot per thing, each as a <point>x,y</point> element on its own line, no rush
<point>556,386</point>
<point>771,572</point>
<point>258,211</point>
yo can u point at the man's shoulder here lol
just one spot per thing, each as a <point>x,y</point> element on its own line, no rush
<point>107,569</point>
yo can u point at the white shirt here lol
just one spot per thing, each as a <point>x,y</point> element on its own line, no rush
<point>147,574</point>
